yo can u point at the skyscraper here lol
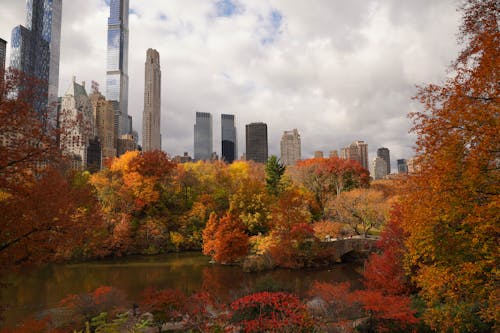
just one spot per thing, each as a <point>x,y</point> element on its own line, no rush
<point>104,122</point>
<point>402,166</point>
<point>151,138</point>
<point>35,49</point>
<point>228,138</point>
<point>3,52</point>
<point>117,63</point>
<point>378,168</point>
<point>290,147</point>
<point>385,154</point>
<point>256,142</point>
<point>357,151</point>
<point>77,122</point>
<point>203,139</point>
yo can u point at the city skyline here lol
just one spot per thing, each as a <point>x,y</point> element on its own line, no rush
<point>259,72</point>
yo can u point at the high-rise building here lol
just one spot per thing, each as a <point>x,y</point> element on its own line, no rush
<point>256,142</point>
<point>333,153</point>
<point>77,123</point>
<point>402,166</point>
<point>151,138</point>
<point>385,154</point>
<point>125,143</point>
<point>3,52</point>
<point>357,151</point>
<point>228,138</point>
<point>117,63</point>
<point>104,123</point>
<point>203,136</point>
<point>35,50</point>
<point>378,168</point>
<point>290,147</point>
<point>318,154</point>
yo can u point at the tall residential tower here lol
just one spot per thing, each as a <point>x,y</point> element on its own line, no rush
<point>357,151</point>
<point>3,52</point>
<point>290,147</point>
<point>228,138</point>
<point>117,63</point>
<point>35,49</point>
<point>256,142</point>
<point>151,136</point>
<point>203,139</point>
<point>386,156</point>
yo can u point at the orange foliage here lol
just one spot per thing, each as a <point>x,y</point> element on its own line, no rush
<point>451,204</point>
<point>326,176</point>
<point>327,229</point>
<point>224,239</point>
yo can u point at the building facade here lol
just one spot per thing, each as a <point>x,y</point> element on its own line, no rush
<point>318,154</point>
<point>35,50</point>
<point>117,63</point>
<point>256,142</point>
<point>203,136</point>
<point>125,143</point>
<point>3,55</point>
<point>228,138</point>
<point>357,151</point>
<point>290,147</point>
<point>104,123</point>
<point>77,124</point>
<point>385,154</point>
<point>378,168</point>
<point>402,166</point>
<point>151,118</point>
<point>333,153</point>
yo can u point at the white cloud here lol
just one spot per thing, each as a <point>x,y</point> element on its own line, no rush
<point>337,70</point>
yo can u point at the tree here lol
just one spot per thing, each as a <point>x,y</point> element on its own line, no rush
<point>451,204</point>
<point>361,209</point>
<point>271,311</point>
<point>274,172</point>
<point>167,305</point>
<point>225,239</point>
<point>325,177</point>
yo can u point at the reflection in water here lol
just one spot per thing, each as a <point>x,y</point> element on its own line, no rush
<point>189,272</point>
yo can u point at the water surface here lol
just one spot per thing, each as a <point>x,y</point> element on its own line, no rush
<point>40,290</point>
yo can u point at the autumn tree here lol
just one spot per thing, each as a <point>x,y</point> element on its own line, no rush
<point>451,204</point>
<point>387,294</point>
<point>225,239</point>
<point>134,193</point>
<point>326,177</point>
<point>271,311</point>
<point>361,209</point>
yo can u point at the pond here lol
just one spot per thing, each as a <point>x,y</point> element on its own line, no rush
<point>34,292</point>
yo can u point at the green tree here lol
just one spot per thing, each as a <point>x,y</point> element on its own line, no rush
<point>274,173</point>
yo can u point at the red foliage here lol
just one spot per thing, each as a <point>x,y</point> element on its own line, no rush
<point>88,305</point>
<point>165,305</point>
<point>385,271</point>
<point>388,309</point>
<point>274,311</point>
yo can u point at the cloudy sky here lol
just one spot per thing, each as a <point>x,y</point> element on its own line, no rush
<point>336,70</point>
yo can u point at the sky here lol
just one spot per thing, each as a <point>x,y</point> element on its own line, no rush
<point>336,70</point>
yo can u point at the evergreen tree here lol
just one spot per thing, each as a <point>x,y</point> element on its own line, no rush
<point>274,172</point>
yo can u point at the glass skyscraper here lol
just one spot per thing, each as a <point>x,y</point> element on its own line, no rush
<point>203,139</point>
<point>256,142</point>
<point>228,136</point>
<point>35,48</point>
<point>117,63</point>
